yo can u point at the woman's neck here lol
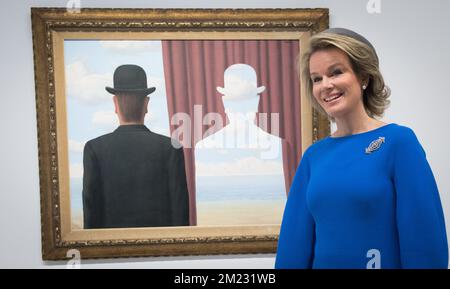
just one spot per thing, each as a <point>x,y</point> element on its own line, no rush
<point>357,123</point>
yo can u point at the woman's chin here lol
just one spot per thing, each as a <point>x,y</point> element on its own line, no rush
<point>335,113</point>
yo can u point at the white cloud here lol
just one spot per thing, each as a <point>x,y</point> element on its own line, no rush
<point>243,134</point>
<point>238,88</point>
<point>214,141</point>
<point>105,119</point>
<point>76,146</point>
<point>240,82</point>
<point>151,117</point>
<point>244,166</point>
<point>87,87</point>
<point>76,171</point>
<point>131,47</point>
<point>157,82</point>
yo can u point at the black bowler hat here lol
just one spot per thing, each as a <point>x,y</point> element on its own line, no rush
<point>129,78</point>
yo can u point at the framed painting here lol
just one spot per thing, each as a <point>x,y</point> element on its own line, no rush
<point>227,97</point>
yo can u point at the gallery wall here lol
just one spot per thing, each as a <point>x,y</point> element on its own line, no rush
<point>411,38</point>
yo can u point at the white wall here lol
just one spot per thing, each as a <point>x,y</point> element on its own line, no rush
<point>411,37</point>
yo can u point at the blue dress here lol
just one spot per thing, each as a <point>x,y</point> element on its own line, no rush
<point>367,200</point>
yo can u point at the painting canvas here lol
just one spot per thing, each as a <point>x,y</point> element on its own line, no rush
<point>235,184</point>
<point>229,95</point>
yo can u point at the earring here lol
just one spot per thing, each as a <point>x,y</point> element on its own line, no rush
<point>364,87</point>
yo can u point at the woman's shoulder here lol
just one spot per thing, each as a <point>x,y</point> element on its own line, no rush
<point>396,133</point>
<point>316,147</point>
<point>401,129</point>
<point>402,134</point>
<point>401,139</point>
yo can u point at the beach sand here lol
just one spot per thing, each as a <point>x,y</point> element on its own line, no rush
<point>229,213</point>
<point>236,213</point>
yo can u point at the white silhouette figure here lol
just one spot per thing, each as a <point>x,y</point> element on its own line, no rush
<point>240,162</point>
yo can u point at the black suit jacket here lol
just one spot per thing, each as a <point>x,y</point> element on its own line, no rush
<point>134,178</point>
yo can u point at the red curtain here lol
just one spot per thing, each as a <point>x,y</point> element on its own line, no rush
<point>194,68</point>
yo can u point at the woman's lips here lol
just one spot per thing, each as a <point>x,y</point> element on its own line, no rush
<point>333,97</point>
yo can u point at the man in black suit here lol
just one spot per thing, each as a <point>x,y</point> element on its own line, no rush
<point>132,176</point>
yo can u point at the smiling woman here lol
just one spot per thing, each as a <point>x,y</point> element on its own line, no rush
<point>380,198</point>
<point>336,87</point>
<point>344,58</point>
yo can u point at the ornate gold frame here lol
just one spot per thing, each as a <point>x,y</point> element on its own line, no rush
<point>53,25</point>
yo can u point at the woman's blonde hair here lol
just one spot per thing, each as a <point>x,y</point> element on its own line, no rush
<point>365,65</point>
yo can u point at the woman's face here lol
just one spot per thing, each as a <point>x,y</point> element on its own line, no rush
<point>335,86</point>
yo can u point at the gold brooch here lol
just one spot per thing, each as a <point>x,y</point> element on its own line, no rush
<point>376,144</point>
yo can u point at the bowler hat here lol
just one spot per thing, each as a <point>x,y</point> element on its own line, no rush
<point>130,78</point>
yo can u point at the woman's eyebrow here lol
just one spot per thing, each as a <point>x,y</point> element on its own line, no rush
<point>331,67</point>
<point>334,66</point>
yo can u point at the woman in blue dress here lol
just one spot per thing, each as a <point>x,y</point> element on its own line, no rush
<point>364,197</point>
